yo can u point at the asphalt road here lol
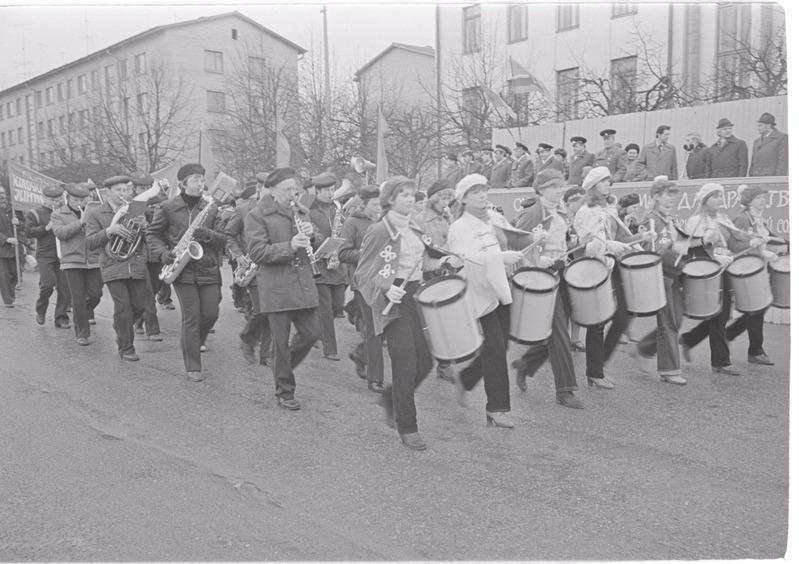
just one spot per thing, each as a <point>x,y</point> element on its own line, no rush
<point>105,460</point>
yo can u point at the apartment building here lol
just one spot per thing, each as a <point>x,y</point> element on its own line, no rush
<point>190,62</point>
<point>400,73</point>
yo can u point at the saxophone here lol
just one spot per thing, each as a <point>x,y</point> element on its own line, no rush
<point>246,269</point>
<point>187,249</point>
<point>338,222</point>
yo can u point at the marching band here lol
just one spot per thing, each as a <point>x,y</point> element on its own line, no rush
<point>453,283</point>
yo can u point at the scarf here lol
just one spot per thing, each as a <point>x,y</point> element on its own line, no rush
<point>191,201</point>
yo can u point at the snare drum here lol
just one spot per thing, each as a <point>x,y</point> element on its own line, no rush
<point>590,291</point>
<point>750,281</point>
<point>534,292</point>
<point>780,270</point>
<point>701,288</point>
<point>642,283</point>
<point>453,333</point>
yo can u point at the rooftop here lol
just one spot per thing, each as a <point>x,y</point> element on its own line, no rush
<point>424,50</point>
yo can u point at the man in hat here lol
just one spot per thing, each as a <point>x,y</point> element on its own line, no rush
<point>148,322</point>
<point>198,285</point>
<point>523,167</point>
<point>486,162</point>
<point>450,171</point>
<point>328,219</point>
<point>279,239</point>
<point>770,150</point>
<point>659,157</point>
<point>256,328</point>
<point>547,159</point>
<point>500,172</point>
<point>579,160</point>
<point>368,354</point>
<point>80,265</point>
<point>611,151</point>
<point>9,244</point>
<point>729,156</point>
<point>124,278</point>
<point>468,163</point>
<point>38,225</point>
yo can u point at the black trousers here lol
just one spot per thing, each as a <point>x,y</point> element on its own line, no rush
<point>598,346</point>
<point>370,350</point>
<point>50,278</point>
<point>714,330</point>
<point>150,316</point>
<point>752,323</point>
<point>256,329</point>
<point>161,291</point>
<point>329,296</point>
<point>557,348</point>
<point>410,361</point>
<point>86,290</point>
<point>129,297</point>
<point>288,357</point>
<point>199,310</point>
<point>491,363</point>
<point>8,279</point>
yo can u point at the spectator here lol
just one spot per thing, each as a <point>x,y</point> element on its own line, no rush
<point>580,159</point>
<point>770,150</point>
<point>468,164</point>
<point>546,159</point>
<point>561,158</point>
<point>611,153</point>
<point>629,169</point>
<point>450,171</point>
<point>696,164</point>
<point>486,161</point>
<point>660,157</point>
<point>500,173</point>
<point>523,168</point>
<point>728,157</point>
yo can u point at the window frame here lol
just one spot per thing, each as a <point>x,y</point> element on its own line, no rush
<point>574,13</point>
<point>573,109</point>
<point>467,48</point>
<point>623,9</point>
<point>524,9</point>
<point>140,64</point>
<point>209,97</point>
<point>216,56</point>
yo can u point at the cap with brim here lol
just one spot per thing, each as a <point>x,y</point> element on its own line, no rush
<point>767,118</point>
<point>391,187</point>
<point>324,180</point>
<point>52,191</point>
<point>140,178</point>
<point>438,186</point>
<point>606,132</point>
<point>595,176</point>
<point>504,149</point>
<point>708,190</point>
<point>468,183</point>
<point>545,146</point>
<point>279,175</point>
<point>523,147</point>
<point>77,190</point>
<point>629,200</point>
<point>188,169</point>
<point>578,139</point>
<point>571,193</point>
<point>662,184</point>
<point>119,179</point>
<point>724,122</point>
<point>548,178</point>
<point>368,192</point>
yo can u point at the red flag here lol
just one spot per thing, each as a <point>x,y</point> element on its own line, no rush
<point>500,105</point>
<point>382,161</point>
<point>522,81</point>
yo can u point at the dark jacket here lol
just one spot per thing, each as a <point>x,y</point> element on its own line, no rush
<point>500,173</point>
<point>523,172</point>
<point>6,231</point>
<point>659,160</point>
<point>71,235</point>
<point>169,224</point>
<point>696,165</point>
<point>234,229</point>
<point>352,232</point>
<point>285,280</point>
<point>35,223</point>
<point>729,161</point>
<point>99,218</point>
<point>610,157</point>
<point>629,171</point>
<point>770,155</point>
<point>323,217</point>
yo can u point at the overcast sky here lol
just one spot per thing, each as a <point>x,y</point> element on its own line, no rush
<point>55,35</point>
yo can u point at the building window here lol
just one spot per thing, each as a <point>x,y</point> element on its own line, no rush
<point>143,141</point>
<point>473,109</point>
<point>215,101</point>
<point>734,27</point>
<point>1,112</point>
<point>621,9</point>
<point>623,76</point>
<point>19,135</point>
<point>62,124</point>
<point>69,88</point>
<point>520,103</point>
<point>95,80</point>
<point>42,158</point>
<point>10,109</point>
<point>71,120</point>
<point>83,118</point>
<point>11,141</point>
<point>60,91</point>
<point>109,78</point>
<point>140,63</point>
<point>141,103</point>
<point>471,29</point>
<point>213,61</point>
<point>517,23</point>
<point>19,106</point>
<point>234,34</point>
<point>568,89</point>
<point>3,140</point>
<point>82,84</point>
<point>38,99</point>
<point>568,16</point>
<point>51,127</point>
<point>257,66</point>
<point>48,95</point>
<point>40,130</point>
<point>123,69</point>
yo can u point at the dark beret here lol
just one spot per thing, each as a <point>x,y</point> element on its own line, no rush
<point>119,179</point>
<point>188,169</point>
<point>77,190</point>
<point>527,202</point>
<point>279,175</point>
<point>572,192</point>
<point>261,177</point>
<point>523,147</point>
<point>248,191</point>
<point>437,186</point>
<point>140,178</point>
<point>504,149</point>
<point>488,149</point>
<point>578,139</point>
<point>369,192</point>
<point>561,152</point>
<point>324,180</point>
<point>606,132</point>
<point>629,200</point>
<point>52,191</point>
<point>545,146</point>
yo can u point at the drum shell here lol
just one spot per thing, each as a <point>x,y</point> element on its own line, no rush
<point>781,283</point>
<point>532,309</point>
<point>593,304</point>
<point>453,334</point>
<point>642,283</point>
<point>751,286</point>
<point>701,292</point>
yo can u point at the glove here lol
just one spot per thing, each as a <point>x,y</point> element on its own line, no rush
<point>511,257</point>
<point>202,234</point>
<point>395,294</point>
<point>615,247</point>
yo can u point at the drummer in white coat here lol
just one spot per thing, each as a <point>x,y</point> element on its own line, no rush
<point>483,237</point>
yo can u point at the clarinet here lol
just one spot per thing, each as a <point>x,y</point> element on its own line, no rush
<point>311,256</point>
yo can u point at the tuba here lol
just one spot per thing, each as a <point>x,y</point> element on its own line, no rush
<point>121,247</point>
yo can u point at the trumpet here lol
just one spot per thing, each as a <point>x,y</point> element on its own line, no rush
<point>311,256</point>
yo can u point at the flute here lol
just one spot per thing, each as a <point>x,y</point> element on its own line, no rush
<point>308,249</point>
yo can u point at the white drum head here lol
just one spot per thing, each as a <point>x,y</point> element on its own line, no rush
<point>441,290</point>
<point>782,264</point>
<point>586,273</point>
<point>535,280</point>
<point>701,268</point>
<point>742,266</point>
<point>639,259</point>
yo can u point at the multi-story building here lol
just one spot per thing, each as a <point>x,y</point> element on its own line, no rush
<point>137,96</point>
<point>580,54</point>
<point>400,73</point>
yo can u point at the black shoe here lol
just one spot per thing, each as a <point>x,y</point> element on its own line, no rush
<point>290,404</point>
<point>248,352</point>
<point>521,379</point>
<point>40,319</point>
<point>360,367</point>
<point>413,441</point>
<point>687,356</point>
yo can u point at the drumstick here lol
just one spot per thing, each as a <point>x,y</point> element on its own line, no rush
<point>390,304</point>
<point>652,228</point>
<point>690,236</point>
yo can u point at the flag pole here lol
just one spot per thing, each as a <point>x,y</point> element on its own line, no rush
<point>16,236</point>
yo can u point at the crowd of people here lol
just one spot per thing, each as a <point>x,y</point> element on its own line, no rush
<point>296,247</point>
<point>727,157</point>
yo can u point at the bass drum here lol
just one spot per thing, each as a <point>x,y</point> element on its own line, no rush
<point>534,292</point>
<point>780,271</point>
<point>590,291</point>
<point>701,288</point>
<point>453,334</point>
<point>750,281</point>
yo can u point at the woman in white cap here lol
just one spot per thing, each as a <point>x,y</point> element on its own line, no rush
<point>484,238</point>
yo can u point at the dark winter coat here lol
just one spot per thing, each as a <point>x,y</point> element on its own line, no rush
<point>71,235</point>
<point>729,161</point>
<point>35,223</point>
<point>770,155</point>
<point>696,165</point>
<point>97,221</point>
<point>352,232</point>
<point>323,217</point>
